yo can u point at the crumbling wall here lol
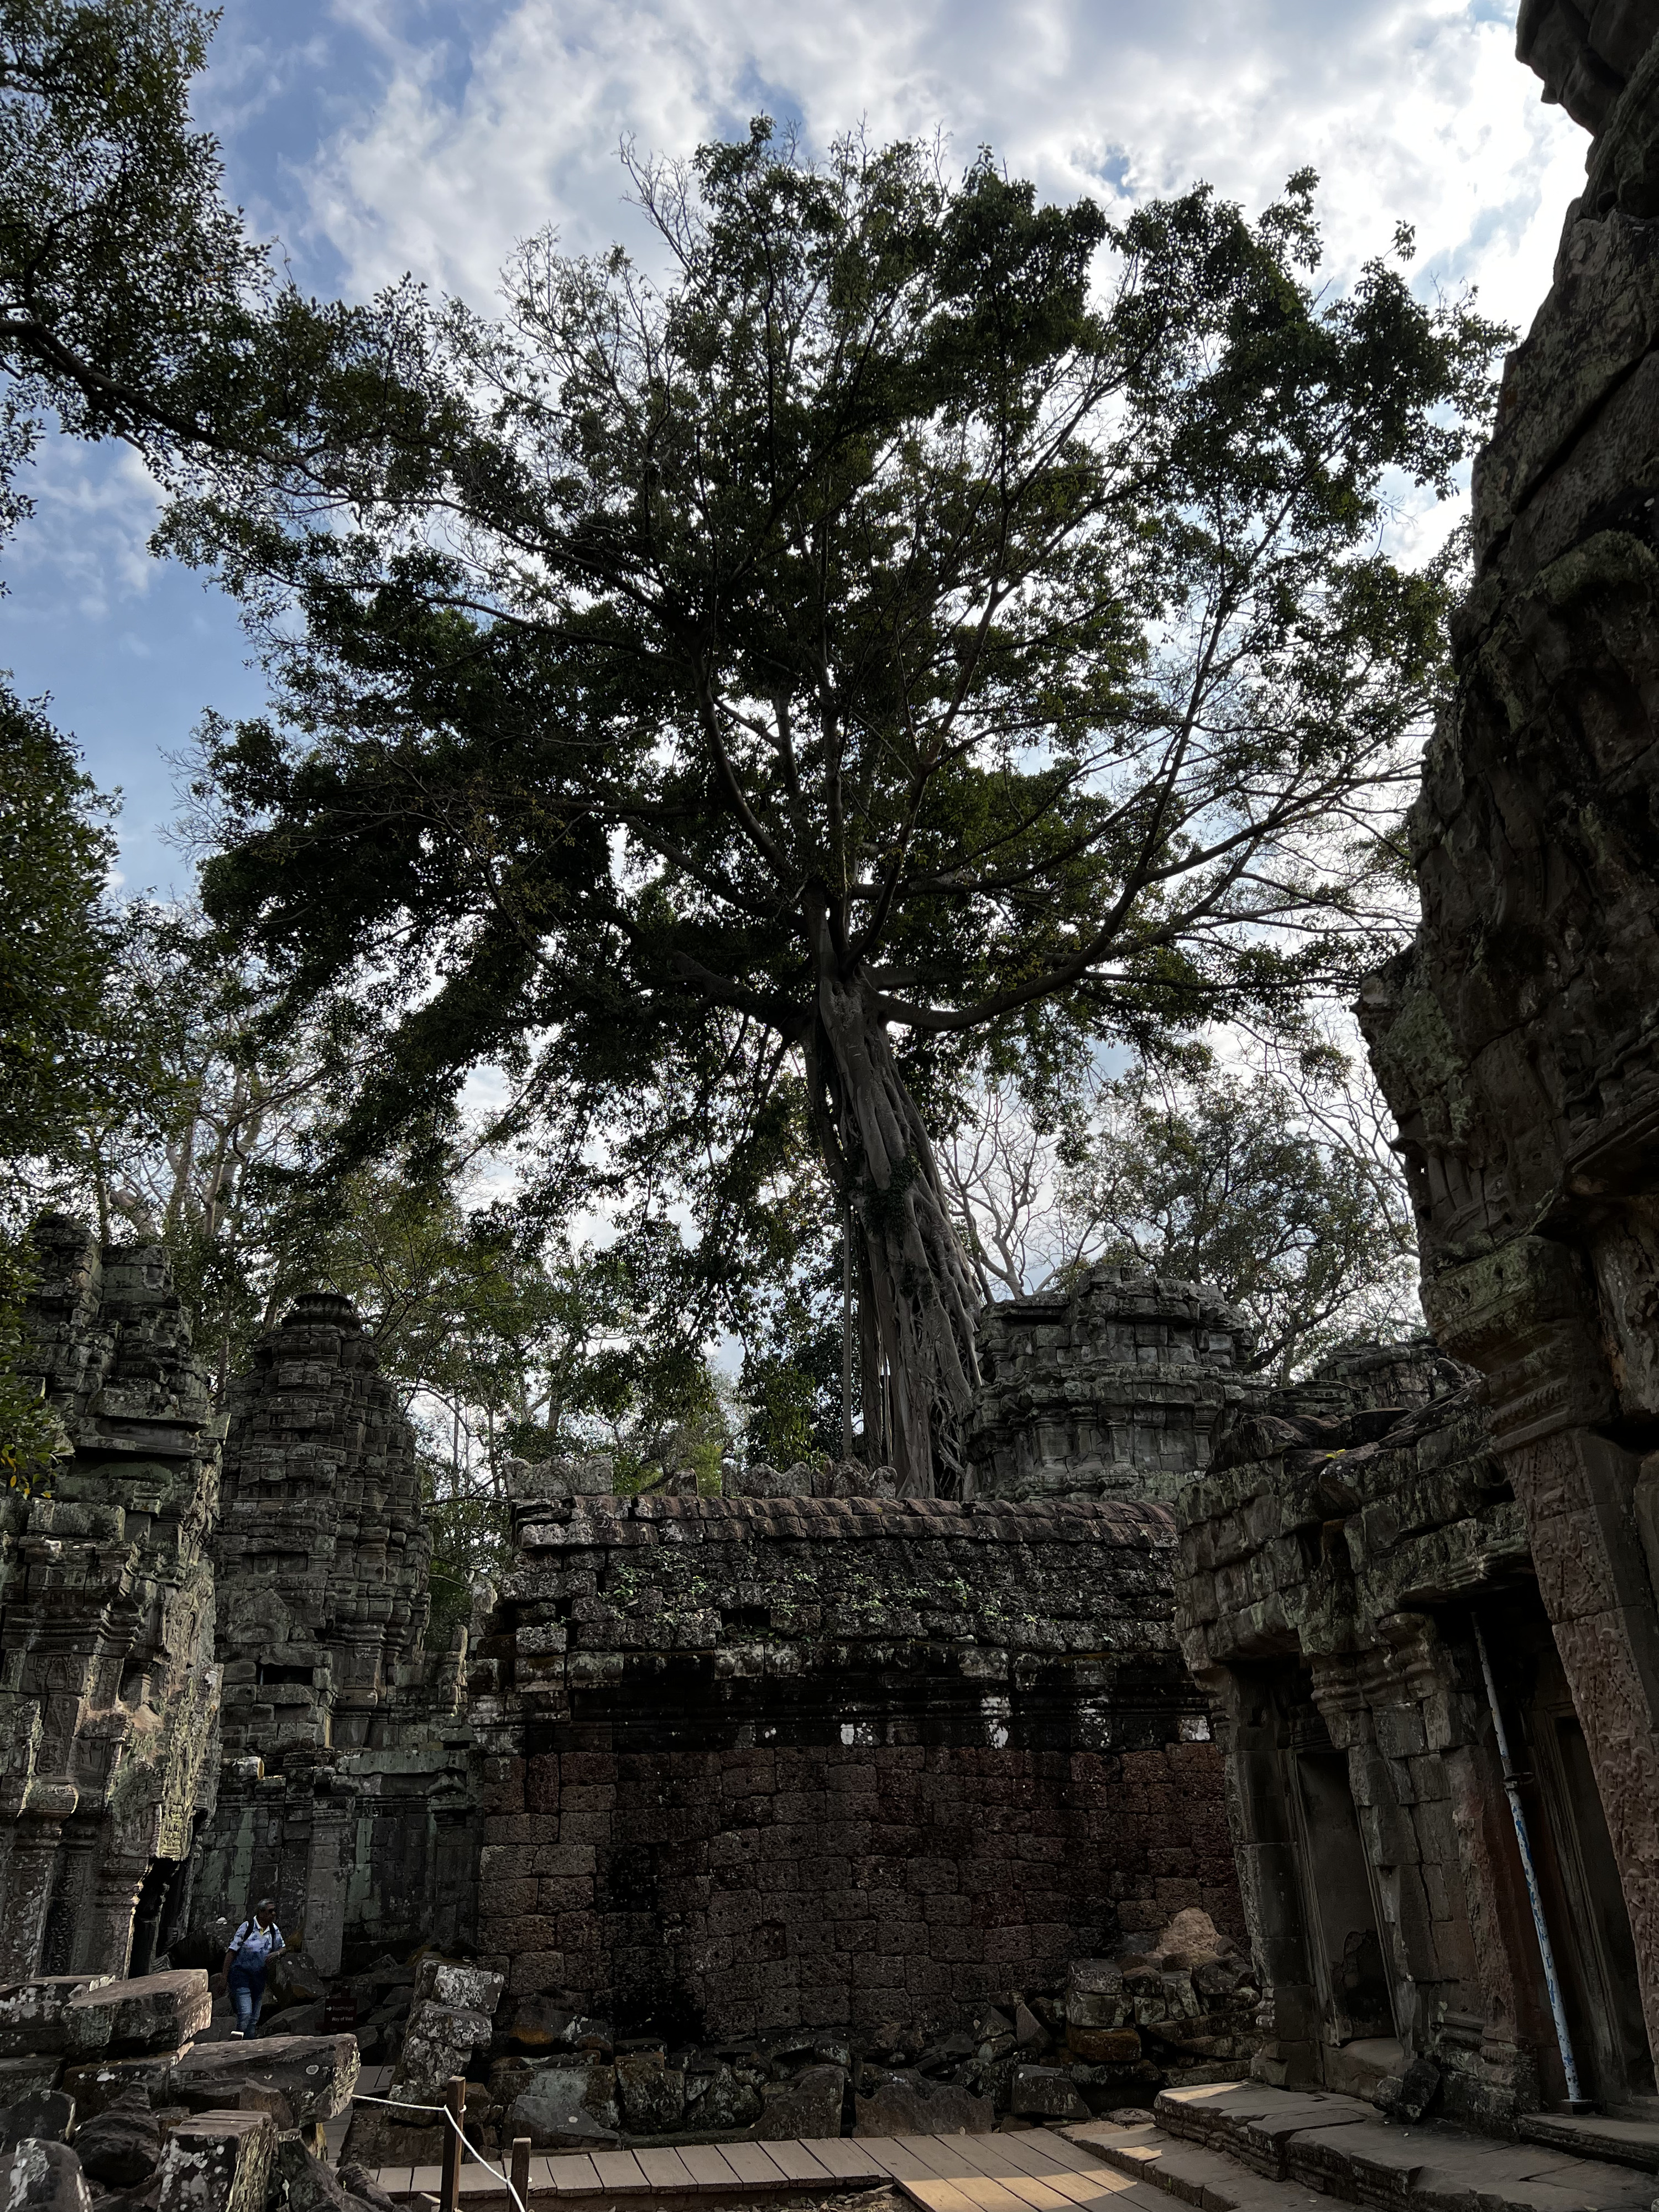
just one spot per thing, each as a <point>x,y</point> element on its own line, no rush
<point>109,1708</point>
<point>840,1762</point>
<point>1112,1387</point>
<point>1517,1042</point>
<point>346,1791</point>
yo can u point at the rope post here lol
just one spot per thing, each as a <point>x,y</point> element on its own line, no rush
<point>521,2170</point>
<point>454,2143</point>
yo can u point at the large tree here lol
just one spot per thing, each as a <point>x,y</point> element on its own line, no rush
<point>927,625</point>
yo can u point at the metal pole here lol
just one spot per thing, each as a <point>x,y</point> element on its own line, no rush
<point>1512,1791</point>
<point>454,2143</point>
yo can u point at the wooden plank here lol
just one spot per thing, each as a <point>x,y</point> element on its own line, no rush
<point>662,2169</point>
<point>749,2162</point>
<point>569,2174</point>
<point>799,2164</point>
<point>987,2154</point>
<point>395,2179</point>
<point>948,2156</point>
<point>619,2174</point>
<point>1089,2188</point>
<point>937,2196</point>
<point>708,2166</point>
<point>894,2160</point>
<point>429,2178</point>
<point>480,2180</point>
<point>846,2159</point>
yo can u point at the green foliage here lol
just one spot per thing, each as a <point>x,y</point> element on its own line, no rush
<point>1228,1181</point>
<point>881,630</point>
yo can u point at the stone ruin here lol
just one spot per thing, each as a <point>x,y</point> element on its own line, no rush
<point>344,1789</point>
<point>777,1813</point>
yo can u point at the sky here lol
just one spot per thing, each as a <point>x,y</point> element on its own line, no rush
<point>371,137</point>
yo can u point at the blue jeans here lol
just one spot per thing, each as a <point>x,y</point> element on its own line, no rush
<point>247,1993</point>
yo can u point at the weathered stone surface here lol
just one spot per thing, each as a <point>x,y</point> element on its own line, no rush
<point>1095,1996</point>
<point>900,2107</point>
<point>722,1702</point>
<point>157,2012</point>
<point>566,2104</point>
<point>1111,1388</point>
<point>720,2099</point>
<point>316,2074</point>
<point>106,1617</point>
<point>650,2094</point>
<point>809,2105</point>
<point>44,2177</point>
<point>300,2183</point>
<point>464,1988</point>
<point>345,1745</point>
<point>31,2013</point>
<point>122,2146</point>
<point>96,2084</point>
<point>28,2077</point>
<point>47,2114</point>
<point>1045,2093</point>
<point>439,2043</point>
<point>1518,1041</point>
<point>218,2162</point>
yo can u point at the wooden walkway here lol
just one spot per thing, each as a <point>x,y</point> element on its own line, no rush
<point>1032,2171</point>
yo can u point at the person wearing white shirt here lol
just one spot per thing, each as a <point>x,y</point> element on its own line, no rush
<point>252,1948</point>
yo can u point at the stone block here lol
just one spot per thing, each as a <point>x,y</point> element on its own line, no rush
<point>122,2146</point>
<point>905,2104</point>
<point>29,2077</point>
<point>807,2107</point>
<point>453,1981</point>
<point>1045,2092</point>
<point>316,2074</point>
<point>31,2012</point>
<point>47,2114</point>
<point>566,2106</point>
<point>439,2043</point>
<point>1095,1995</point>
<point>217,2161</point>
<point>45,2177</point>
<point>98,2083</point>
<point>1103,2046</point>
<point>156,2011</point>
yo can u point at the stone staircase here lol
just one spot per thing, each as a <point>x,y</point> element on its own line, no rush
<point>1243,2146</point>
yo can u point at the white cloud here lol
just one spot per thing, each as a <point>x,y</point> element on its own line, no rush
<point>1411,109</point>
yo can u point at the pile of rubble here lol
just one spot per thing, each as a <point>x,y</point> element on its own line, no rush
<point>1181,2010</point>
<point>119,2098</point>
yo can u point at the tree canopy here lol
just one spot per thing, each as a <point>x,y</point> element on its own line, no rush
<point>929,626</point>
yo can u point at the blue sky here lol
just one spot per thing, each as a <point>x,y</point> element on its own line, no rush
<point>371,136</point>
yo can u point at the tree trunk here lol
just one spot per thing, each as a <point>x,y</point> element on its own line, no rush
<point>917,1297</point>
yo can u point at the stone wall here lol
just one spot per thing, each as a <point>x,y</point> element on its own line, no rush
<point>840,1762</point>
<point>1518,1041</point>
<point>109,1708</point>
<point>1332,1576</point>
<point>345,1791</point>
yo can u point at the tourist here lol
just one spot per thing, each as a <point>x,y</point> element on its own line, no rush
<point>250,1949</point>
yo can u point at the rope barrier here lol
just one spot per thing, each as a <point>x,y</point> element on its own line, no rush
<point>398,2104</point>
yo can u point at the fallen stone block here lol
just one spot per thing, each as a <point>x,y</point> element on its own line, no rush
<point>1045,2092</point>
<point>45,2115</point>
<point>45,2177</point>
<point>807,2107</point>
<point>122,2146</point>
<point>357,2181</point>
<point>452,1982</point>
<point>1095,1995</point>
<point>1103,2046</point>
<point>718,2100</point>
<point>439,2043</point>
<point>566,2105</point>
<point>304,2183</point>
<point>909,2108</point>
<point>650,2095</point>
<point>29,2077</point>
<point>97,2083</point>
<point>218,2162</point>
<point>156,2011</point>
<point>31,2012</point>
<point>316,2074</point>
